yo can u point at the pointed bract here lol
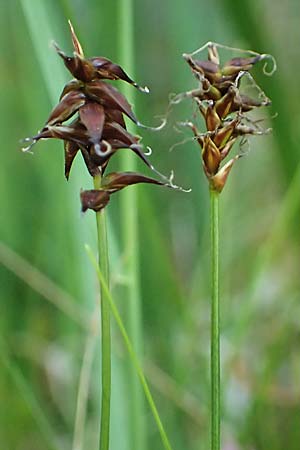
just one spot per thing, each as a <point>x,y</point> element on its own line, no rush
<point>94,199</point>
<point>212,119</point>
<point>116,181</point>
<point>211,156</point>
<point>110,98</point>
<point>224,133</point>
<point>113,130</point>
<point>236,65</point>
<point>92,116</point>
<point>244,103</point>
<point>80,68</point>
<point>75,40</point>
<point>73,85</point>
<point>106,69</point>
<point>67,107</point>
<point>74,133</point>
<point>97,199</point>
<point>224,105</point>
<point>213,54</point>
<point>71,150</point>
<point>217,182</point>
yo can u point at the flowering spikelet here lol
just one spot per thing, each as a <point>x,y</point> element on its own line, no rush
<point>223,106</point>
<point>98,127</point>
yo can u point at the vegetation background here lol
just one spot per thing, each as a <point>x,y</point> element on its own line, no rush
<point>49,289</point>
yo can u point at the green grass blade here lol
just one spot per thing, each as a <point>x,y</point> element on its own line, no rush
<point>26,392</point>
<point>37,19</point>
<point>129,212</point>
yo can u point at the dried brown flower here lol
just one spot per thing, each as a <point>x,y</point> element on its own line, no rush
<point>223,107</point>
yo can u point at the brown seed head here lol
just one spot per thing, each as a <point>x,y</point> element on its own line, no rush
<point>223,105</point>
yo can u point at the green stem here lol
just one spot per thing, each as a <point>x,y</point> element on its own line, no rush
<point>105,327</point>
<point>215,323</point>
<point>129,211</point>
<point>131,351</point>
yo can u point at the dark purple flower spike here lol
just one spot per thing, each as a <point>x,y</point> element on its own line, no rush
<point>98,128</point>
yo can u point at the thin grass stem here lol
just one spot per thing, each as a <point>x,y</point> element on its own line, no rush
<point>215,323</point>
<point>130,232</point>
<point>83,392</point>
<point>131,351</point>
<point>43,285</point>
<point>105,327</point>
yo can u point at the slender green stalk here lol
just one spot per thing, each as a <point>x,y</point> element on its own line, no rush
<point>131,351</point>
<point>105,327</point>
<point>130,232</point>
<point>215,323</point>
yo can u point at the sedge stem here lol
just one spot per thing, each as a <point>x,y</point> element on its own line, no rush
<point>130,348</point>
<point>215,323</point>
<point>105,326</point>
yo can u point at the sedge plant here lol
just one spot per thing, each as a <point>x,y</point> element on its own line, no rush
<point>97,131</point>
<point>222,103</point>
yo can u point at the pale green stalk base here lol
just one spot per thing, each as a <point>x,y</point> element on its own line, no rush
<point>105,327</point>
<point>215,323</point>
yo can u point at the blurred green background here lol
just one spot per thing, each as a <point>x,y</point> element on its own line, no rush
<point>48,287</point>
